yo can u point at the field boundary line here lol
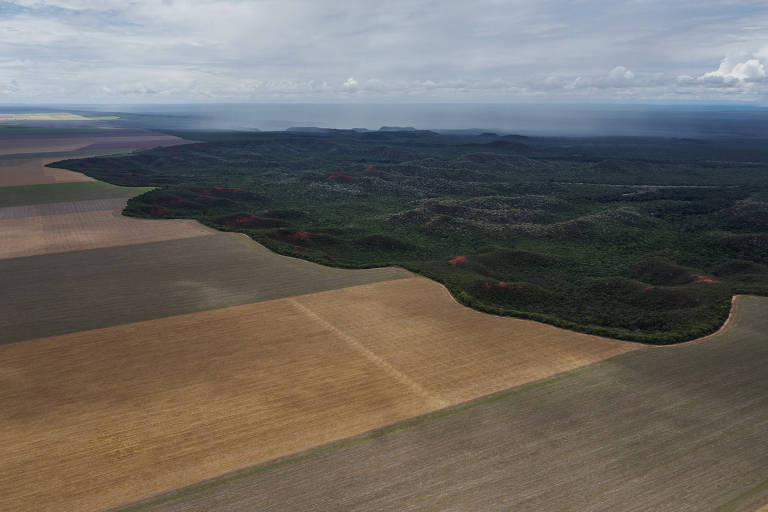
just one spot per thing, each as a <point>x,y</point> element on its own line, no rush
<point>377,360</point>
<point>334,446</point>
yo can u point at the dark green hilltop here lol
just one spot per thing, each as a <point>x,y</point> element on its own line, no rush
<point>642,239</point>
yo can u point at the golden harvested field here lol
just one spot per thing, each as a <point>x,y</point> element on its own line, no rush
<point>32,171</point>
<point>83,228</point>
<point>668,429</point>
<point>104,417</point>
<point>44,116</point>
<point>453,352</point>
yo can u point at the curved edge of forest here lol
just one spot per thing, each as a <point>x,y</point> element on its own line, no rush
<point>710,323</point>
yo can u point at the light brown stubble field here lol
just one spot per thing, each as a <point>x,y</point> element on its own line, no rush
<point>83,228</point>
<point>99,418</point>
<point>33,171</point>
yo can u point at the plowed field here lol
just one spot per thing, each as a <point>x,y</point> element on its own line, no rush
<point>673,429</point>
<point>32,171</point>
<point>54,231</point>
<point>121,413</point>
<point>77,290</point>
<point>22,143</point>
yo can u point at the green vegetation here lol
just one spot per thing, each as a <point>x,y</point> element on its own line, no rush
<point>587,234</point>
<point>63,192</point>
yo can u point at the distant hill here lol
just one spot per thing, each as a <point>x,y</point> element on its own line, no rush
<point>397,129</point>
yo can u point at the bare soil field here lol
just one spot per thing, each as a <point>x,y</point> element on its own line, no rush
<point>73,291</point>
<point>32,171</point>
<point>99,418</point>
<point>21,143</point>
<point>417,327</point>
<point>41,210</point>
<point>677,429</point>
<point>54,231</point>
<point>44,116</point>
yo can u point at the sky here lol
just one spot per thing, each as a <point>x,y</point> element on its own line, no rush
<point>591,51</point>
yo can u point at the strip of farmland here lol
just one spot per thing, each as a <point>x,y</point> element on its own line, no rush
<point>32,171</point>
<point>122,413</point>
<point>79,290</point>
<point>670,429</point>
<point>62,227</point>
<point>66,141</point>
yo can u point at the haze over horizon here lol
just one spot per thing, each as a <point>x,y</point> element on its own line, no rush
<point>144,51</point>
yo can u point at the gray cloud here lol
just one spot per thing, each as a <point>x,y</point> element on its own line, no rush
<point>186,50</point>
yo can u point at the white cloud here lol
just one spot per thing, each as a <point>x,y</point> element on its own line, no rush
<point>621,74</point>
<point>317,49</point>
<point>749,70</point>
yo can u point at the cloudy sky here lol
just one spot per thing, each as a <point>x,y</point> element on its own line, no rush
<point>398,50</point>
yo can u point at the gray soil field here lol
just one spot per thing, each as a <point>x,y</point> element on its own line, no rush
<point>79,290</point>
<point>673,429</point>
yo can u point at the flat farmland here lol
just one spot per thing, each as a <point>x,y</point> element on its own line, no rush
<point>674,429</point>
<point>77,290</point>
<point>457,353</point>
<point>62,227</point>
<point>21,143</point>
<point>125,412</point>
<point>33,171</point>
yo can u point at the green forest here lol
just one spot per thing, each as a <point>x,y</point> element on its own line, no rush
<point>632,238</point>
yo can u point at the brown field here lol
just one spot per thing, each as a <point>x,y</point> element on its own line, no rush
<point>99,418</point>
<point>16,144</point>
<point>32,171</point>
<point>77,290</point>
<point>53,231</point>
<point>456,353</point>
<point>672,429</point>
<point>44,116</point>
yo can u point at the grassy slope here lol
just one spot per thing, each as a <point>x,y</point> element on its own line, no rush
<point>674,429</point>
<point>550,231</point>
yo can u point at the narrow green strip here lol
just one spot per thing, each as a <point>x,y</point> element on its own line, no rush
<point>737,502</point>
<point>64,192</point>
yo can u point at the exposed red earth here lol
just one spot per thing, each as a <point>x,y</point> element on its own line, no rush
<point>459,260</point>
<point>340,176</point>
<point>502,286</point>
<point>300,235</point>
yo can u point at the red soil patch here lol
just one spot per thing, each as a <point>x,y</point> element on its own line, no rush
<point>703,279</point>
<point>340,176</point>
<point>298,248</point>
<point>502,286</point>
<point>459,260</point>
<point>372,170</point>
<point>159,210</point>
<point>241,219</point>
<point>204,197</point>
